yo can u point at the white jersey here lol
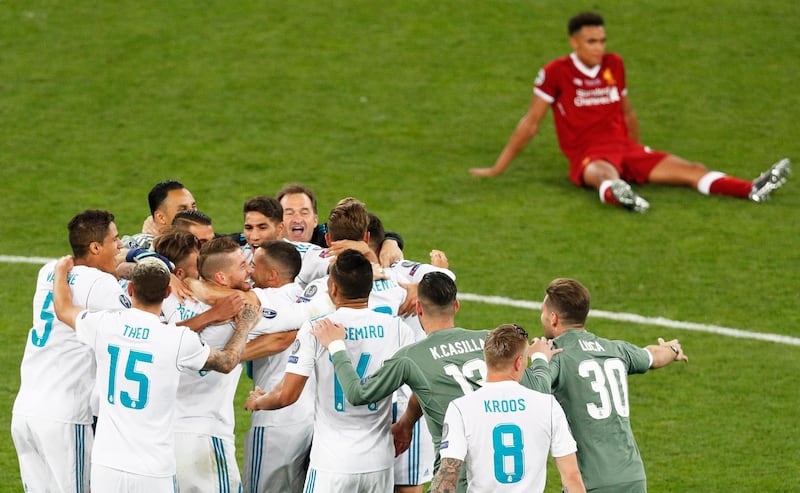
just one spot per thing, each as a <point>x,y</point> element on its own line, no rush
<point>503,432</point>
<point>58,371</point>
<point>386,296</point>
<point>409,271</point>
<point>315,263</point>
<point>280,312</point>
<point>139,360</point>
<point>205,398</point>
<point>350,439</point>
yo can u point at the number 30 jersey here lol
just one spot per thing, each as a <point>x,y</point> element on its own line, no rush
<point>590,381</point>
<point>139,360</point>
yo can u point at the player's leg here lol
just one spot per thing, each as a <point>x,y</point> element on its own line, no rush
<point>605,177</point>
<point>52,454</point>
<point>206,464</point>
<point>276,458</point>
<point>674,170</point>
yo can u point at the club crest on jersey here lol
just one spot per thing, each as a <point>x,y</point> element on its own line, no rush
<point>310,292</point>
<point>126,302</point>
<point>295,346</point>
<point>445,429</point>
<point>609,77</point>
<point>268,313</point>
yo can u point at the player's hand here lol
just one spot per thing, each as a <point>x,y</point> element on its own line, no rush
<point>543,345</point>
<point>402,437</point>
<point>439,259</point>
<point>184,289</point>
<point>149,226</point>
<point>409,306</point>
<point>250,404</point>
<point>675,347</point>
<point>64,264</point>
<point>483,172</point>
<point>390,252</point>
<point>326,331</point>
<point>338,246</point>
<point>227,308</point>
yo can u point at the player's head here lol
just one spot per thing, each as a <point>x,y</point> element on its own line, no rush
<point>376,233</point>
<point>587,36</point>
<point>276,262</point>
<point>182,248</point>
<point>166,199</point>
<point>149,282</point>
<point>350,277</point>
<point>195,222</point>
<point>222,261</point>
<point>436,297</point>
<point>505,349</point>
<point>263,220</point>
<point>348,221</point>
<point>565,306</point>
<point>94,239</point>
<point>299,212</point>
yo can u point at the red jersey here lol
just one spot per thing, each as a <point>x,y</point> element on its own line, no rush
<point>587,103</point>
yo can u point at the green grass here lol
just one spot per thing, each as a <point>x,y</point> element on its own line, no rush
<point>392,103</point>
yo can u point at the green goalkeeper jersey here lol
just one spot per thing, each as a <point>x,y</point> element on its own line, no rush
<point>445,365</point>
<point>590,382</point>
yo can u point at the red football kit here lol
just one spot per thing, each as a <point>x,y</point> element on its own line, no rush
<point>587,109</point>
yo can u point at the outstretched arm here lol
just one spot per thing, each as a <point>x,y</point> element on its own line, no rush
<point>526,129</point>
<point>537,376</point>
<point>403,429</point>
<point>224,360</point>
<point>62,297</point>
<point>223,310</point>
<point>666,352</point>
<point>285,393</point>
<point>268,344</point>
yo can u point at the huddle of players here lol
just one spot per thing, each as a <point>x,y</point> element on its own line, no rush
<point>352,448</point>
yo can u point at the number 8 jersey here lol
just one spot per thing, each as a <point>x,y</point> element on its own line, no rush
<point>590,381</point>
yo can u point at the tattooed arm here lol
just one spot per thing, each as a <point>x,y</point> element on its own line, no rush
<point>224,360</point>
<point>446,478</point>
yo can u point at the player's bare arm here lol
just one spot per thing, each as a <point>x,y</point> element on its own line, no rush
<point>224,360</point>
<point>224,310</point>
<point>285,393</point>
<point>446,478</point>
<point>571,480</point>
<point>390,252</point>
<point>403,429</point>
<point>630,119</point>
<point>362,247</point>
<point>268,344</point>
<point>666,352</point>
<point>62,297</point>
<point>523,133</point>
<point>212,294</point>
<point>409,305</point>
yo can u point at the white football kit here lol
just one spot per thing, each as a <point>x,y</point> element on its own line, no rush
<point>205,449</point>
<point>503,432</point>
<point>139,361</point>
<point>349,440</point>
<point>278,442</point>
<point>314,262</point>
<point>52,412</point>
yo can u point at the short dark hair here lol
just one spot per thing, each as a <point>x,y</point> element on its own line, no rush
<point>176,245</point>
<point>184,219</point>
<point>437,293</point>
<point>503,345</point>
<point>150,281</point>
<point>87,227</point>
<point>269,206</point>
<point>348,220</point>
<point>212,253</point>
<point>285,255</point>
<point>582,20</point>
<point>569,299</point>
<point>159,193</point>
<point>298,188</point>
<point>376,232</point>
<point>352,274</point>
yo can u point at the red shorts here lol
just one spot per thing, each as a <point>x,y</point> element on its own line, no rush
<point>634,162</point>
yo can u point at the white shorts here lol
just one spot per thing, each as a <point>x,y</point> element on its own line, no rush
<point>415,465</point>
<point>366,482</point>
<point>108,480</point>
<point>52,455</point>
<point>276,458</point>
<point>206,464</point>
